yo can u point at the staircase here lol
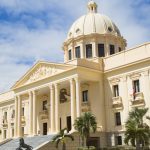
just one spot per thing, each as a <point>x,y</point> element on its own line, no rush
<point>35,142</point>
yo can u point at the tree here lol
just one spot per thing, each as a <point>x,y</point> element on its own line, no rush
<point>84,125</point>
<point>61,137</point>
<point>137,132</point>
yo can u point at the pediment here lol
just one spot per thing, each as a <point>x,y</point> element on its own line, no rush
<point>40,71</point>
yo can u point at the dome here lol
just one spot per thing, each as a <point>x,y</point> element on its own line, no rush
<point>93,22</point>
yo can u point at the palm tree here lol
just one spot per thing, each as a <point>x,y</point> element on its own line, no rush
<point>136,130</point>
<point>84,125</point>
<point>61,137</point>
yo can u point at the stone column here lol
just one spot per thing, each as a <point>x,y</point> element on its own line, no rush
<point>78,96</point>
<point>73,104</point>
<point>52,109</point>
<point>30,114</point>
<point>57,107</point>
<point>16,116</point>
<point>19,116</point>
<point>34,113</point>
<point>94,45</point>
<point>82,49</point>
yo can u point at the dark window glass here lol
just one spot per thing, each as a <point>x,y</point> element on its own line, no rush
<point>70,55</point>
<point>112,49</point>
<point>118,119</point>
<point>5,115</point>
<point>136,86</point>
<point>116,90</point>
<point>22,111</point>
<point>101,50</point>
<point>44,105</point>
<point>119,49</point>
<point>89,51</point>
<point>77,51</point>
<point>85,96</point>
<point>119,140</point>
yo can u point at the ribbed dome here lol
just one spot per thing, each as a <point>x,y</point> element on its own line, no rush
<point>93,22</point>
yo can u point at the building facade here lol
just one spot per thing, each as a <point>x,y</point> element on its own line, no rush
<point>98,75</point>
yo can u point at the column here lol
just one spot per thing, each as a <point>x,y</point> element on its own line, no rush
<point>78,97</point>
<point>57,107</point>
<point>19,116</point>
<point>52,109</point>
<point>82,50</point>
<point>34,113</point>
<point>73,105</point>
<point>94,45</point>
<point>30,114</point>
<point>16,116</point>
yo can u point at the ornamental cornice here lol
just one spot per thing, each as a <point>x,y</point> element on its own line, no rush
<point>114,81</point>
<point>134,76</point>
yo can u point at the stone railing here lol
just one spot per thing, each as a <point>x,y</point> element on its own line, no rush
<point>137,99</point>
<point>85,107</point>
<point>43,114</point>
<point>117,102</point>
<point>23,120</point>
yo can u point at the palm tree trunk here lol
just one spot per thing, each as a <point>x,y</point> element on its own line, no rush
<point>138,144</point>
<point>64,146</point>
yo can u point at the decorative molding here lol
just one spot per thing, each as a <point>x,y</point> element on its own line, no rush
<point>114,81</point>
<point>135,76</point>
<point>42,72</point>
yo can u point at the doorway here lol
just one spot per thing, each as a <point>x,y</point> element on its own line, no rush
<point>68,123</point>
<point>94,141</point>
<point>44,128</point>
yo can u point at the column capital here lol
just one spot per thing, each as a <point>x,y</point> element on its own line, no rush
<point>77,79</point>
<point>71,80</point>
<point>34,92</point>
<point>56,84</point>
<point>51,86</point>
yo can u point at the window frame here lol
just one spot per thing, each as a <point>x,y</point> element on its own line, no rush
<point>77,52</point>
<point>115,90</point>
<point>70,54</point>
<point>100,49</point>
<point>119,140</point>
<point>89,50</point>
<point>118,119</point>
<point>85,96</point>
<point>111,49</point>
<point>136,86</point>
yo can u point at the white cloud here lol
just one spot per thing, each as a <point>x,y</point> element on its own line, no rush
<point>21,45</point>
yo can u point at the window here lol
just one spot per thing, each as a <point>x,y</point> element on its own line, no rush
<point>13,114</point>
<point>22,111</point>
<point>5,134</point>
<point>116,90</point>
<point>70,55</point>
<point>119,48</point>
<point>12,132</point>
<point>119,140</point>
<point>85,96</point>
<point>101,50</point>
<point>118,118</point>
<point>5,115</point>
<point>136,86</point>
<point>89,51</point>
<point>112,49</point>
<point>77,51</point>
<point>44,105</point>
<point>23,131</point>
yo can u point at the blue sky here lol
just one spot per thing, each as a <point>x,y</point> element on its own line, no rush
<point>32,30</point>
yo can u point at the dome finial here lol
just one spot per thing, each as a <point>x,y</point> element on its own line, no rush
<point>92,6</point>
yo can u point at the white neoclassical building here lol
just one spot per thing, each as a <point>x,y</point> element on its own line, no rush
<point>98,75</point>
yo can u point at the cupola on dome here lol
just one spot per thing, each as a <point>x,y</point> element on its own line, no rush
<point>93,23</point>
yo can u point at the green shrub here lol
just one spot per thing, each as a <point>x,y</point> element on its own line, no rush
<point>86,148</point>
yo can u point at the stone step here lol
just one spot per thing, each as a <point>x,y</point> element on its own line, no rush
<point>32,141</point>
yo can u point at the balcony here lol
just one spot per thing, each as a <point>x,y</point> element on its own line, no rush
<point>5,123</point>
<point>43,114</point>
<point>117,102</point>
<point>85,107</point>
<point>12,121</point>
<point>137,99</point>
